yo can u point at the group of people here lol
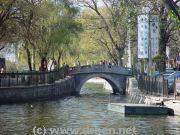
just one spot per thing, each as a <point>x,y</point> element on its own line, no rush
<point>50,65</point>
<point>174,63</point>
<point>109,63</point>
<point>102,62</point>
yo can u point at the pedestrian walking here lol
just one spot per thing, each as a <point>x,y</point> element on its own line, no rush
<point>109,64</point>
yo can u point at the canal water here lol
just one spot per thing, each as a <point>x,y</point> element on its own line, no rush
<point>87,110</point>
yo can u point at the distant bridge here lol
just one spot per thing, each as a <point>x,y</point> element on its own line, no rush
<point>32,86</point>
<point>116,76</point>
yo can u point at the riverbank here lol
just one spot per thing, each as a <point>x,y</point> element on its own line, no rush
<point>60,88</point>
<point>138,96</point>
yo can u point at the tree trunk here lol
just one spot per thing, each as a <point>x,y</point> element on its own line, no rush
<point>43,64</point>
<point>59,58</point>
<point>163,42</point>
<point>29,58</point>
<point>120,56</point>
<point>162,52</point>
<point>34,59</point>
<point>120,62</point>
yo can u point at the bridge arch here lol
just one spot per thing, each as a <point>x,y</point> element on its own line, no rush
<point>110,79</point>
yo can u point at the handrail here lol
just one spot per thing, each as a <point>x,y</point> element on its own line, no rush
<point>32,77</point>
<point>103,69</point>
<point>18,78</point>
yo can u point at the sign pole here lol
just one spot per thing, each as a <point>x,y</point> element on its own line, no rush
<point>149,44</point>
<point>175,92</point>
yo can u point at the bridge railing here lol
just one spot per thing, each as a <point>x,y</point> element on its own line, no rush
<point>101,68</point>
<point>32,78</point>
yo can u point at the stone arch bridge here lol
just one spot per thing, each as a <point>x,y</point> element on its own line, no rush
<point>116,76</point>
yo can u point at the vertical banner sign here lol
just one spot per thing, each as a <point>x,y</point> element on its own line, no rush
<point>155,34</point>
<point>143,36</point>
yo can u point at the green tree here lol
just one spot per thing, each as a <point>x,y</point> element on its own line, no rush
<point>58,31</point>
<point>7,11</point>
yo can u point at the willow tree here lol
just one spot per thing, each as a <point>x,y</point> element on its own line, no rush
<point>66,32</point>
<point>25,21</point>
<point>55,30</point>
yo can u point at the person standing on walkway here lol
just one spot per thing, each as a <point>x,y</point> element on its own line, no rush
<point>178,61</point>
<point>109,64</point>
<point>78,64</point>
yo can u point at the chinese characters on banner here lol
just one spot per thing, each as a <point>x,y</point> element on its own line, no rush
<point>155,34</point>
<point>143,35</point>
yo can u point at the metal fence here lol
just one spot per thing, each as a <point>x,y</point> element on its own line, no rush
<point>32,77</point>
<point>153,85</point>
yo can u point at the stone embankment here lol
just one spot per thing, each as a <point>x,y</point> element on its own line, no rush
<point>139,97</point>
<point>136,95</point>
<point>58,89</point>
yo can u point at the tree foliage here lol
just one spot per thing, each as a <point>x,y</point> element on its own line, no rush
<point>84,30</point>
<point>42,26</point>
<point>111,25</point>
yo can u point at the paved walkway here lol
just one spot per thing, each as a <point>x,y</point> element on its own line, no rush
<point>178,98</point>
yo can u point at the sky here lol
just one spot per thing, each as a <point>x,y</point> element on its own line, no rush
<point>8,53</point>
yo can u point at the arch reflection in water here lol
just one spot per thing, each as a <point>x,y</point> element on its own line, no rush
<point>96,85</point>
